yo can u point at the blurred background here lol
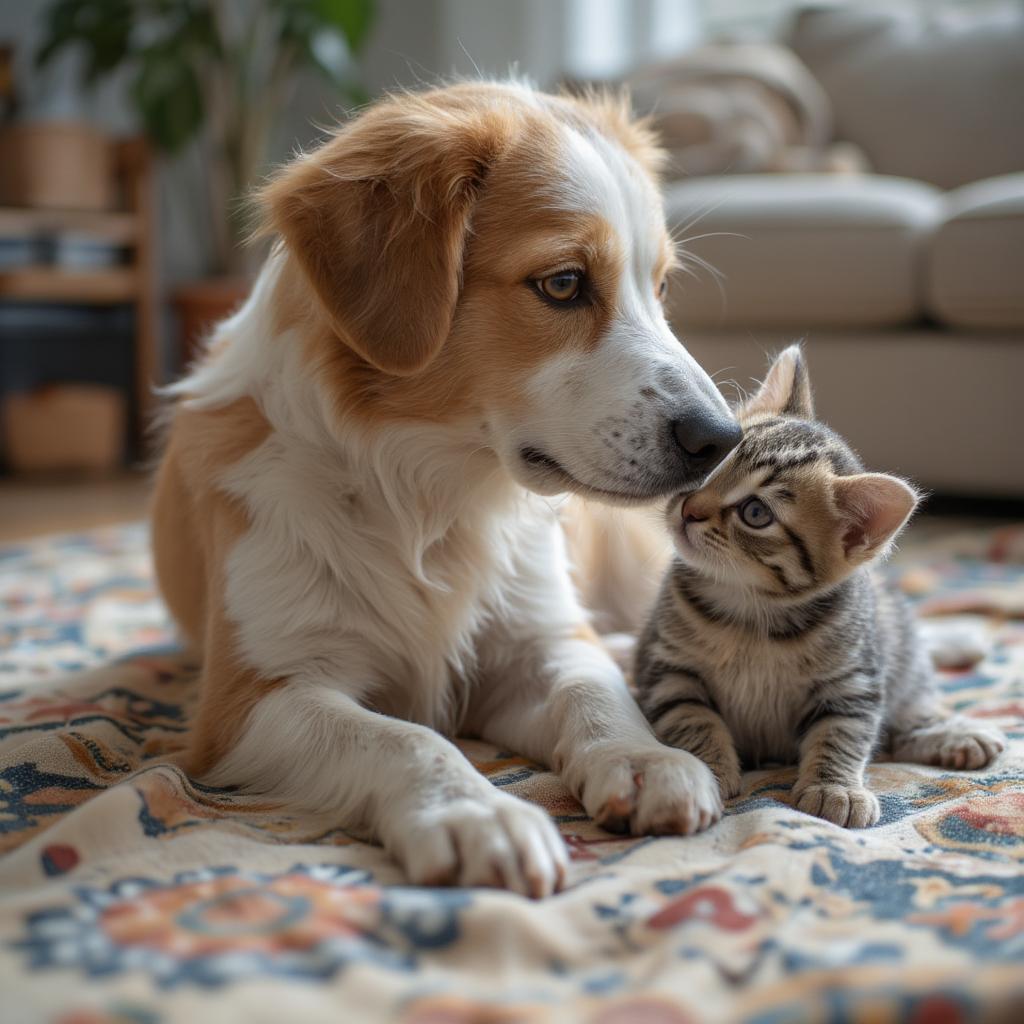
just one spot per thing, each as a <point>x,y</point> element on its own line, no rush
<point>850,173</point>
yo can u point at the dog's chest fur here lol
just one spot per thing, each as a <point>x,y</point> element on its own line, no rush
<point>359,580</point>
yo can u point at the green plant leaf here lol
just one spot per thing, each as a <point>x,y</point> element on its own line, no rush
<point>167,94</point>
<point>168,44</point>
<point>103,28</point>
<point>61,30</point>
<point>198,28</point>
<point>353,18</point>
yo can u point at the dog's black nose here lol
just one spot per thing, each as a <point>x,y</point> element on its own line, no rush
<point>706,438</point>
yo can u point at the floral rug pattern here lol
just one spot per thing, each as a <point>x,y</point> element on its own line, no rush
<point>129,893</point>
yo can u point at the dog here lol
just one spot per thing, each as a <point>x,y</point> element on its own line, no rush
<point>460,318</point>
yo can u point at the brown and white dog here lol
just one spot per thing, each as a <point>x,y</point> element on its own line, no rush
<point>462,315</point>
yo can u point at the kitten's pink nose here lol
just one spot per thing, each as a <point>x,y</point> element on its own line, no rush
<point>694,511</point>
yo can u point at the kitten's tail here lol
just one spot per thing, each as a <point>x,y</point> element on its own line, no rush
<point>619,557</point>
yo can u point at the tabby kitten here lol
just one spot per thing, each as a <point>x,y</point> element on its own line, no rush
<point>773,640</point>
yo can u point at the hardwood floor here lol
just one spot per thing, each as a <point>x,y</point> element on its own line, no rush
<point>31,508</point>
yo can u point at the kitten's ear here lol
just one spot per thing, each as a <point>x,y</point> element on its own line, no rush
<point>786,390</point>
<point>874,508</point>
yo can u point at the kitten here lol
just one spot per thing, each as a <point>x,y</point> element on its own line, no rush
<point>773,639</point>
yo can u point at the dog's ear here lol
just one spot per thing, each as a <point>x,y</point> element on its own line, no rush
<point>786,391</point>
<point>378,217</point>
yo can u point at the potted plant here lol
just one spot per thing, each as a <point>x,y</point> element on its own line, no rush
<point>221,72</point>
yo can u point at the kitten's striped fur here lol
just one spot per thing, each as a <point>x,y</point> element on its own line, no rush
<point>778,642</point>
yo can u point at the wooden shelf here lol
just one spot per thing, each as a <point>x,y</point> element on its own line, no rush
<point>131,226</point>
<point>53,284</point>
<point>113,226</point>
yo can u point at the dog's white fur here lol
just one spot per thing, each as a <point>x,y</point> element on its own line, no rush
<point>399,581</point>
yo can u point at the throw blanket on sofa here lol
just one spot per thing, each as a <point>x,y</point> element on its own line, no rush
<point>741,108</point>
<point>129,893</point>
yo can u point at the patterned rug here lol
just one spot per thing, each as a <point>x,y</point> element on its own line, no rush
<point>128,893</point>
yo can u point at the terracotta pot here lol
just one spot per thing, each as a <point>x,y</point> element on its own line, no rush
<point>201,306</point>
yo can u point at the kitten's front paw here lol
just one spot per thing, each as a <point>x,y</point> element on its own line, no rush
<point>957,742</point>
<point>730,780</point>
<point>849,806</point>
<point>652,792</point>
<point>975,747</point>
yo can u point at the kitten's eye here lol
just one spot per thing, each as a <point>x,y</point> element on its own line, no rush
<point>755,513</point>
<point>562,287</point>
<point>662,289</point>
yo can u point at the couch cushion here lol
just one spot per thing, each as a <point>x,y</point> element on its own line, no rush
<point>801,251</point>
<point>933,96</point>
<point>974,267</point>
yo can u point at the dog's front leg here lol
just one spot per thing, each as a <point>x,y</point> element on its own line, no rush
<point>402,783</point>
<point>565,704</point>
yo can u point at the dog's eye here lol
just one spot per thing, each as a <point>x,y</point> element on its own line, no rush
<point>562,287</point>
<point>755,513</point>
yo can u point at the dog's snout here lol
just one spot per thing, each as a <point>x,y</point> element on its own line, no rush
<point>706,439</point>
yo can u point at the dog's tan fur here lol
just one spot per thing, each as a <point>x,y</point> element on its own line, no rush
<point>197,524</point>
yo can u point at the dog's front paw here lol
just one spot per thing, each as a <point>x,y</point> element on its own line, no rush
<point>849,806</point>
<point>490,839</point>
<point>651,792</point>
